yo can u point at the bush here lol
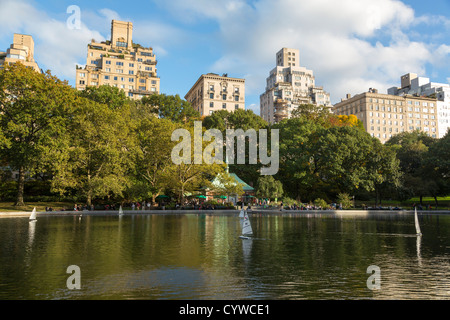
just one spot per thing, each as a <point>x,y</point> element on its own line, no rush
<point>321,203</point>
<point>345,200</point>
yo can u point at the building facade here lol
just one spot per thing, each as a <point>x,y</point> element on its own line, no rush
<point>411,84</point>
<point>385,115</point>
<point>22,50</point>
<point>120,63</point>
<point>212,92</point>
<point>288,86</point>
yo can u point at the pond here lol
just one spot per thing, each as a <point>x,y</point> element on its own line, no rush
<point>298,256</point>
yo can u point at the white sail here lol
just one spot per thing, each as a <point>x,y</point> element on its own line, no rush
<point>416,220</point>
<point>246,226</point>
<point>33,214</point>
<point>120,211</point>
<point>241,214</point>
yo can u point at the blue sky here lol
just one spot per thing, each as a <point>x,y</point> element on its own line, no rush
<point>351,45</point>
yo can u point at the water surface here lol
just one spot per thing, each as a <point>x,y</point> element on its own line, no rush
<point>200,256</point>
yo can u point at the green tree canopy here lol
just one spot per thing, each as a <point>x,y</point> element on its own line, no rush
<point>170,107</point>
<point>35,110</point>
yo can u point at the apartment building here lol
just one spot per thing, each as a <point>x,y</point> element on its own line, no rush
<point>120,63</point>
<point>212,92</point>
<point>288,86</point>
<point>385,115</point>
<point>411,84</point>
<point>22,50</point>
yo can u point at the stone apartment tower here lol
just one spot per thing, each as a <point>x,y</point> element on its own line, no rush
<point>22,50</point>
<point>212,92</point>
<point>288,86</point>
<point>120,63</point>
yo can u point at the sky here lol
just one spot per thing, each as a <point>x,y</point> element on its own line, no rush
<point>351,45</point>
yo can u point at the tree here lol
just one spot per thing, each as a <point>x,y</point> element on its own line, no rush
<point>437,166</point>
<point>170,107</point>
<point>411,149</point>
<point>111,96</point>
<point>311,111</point>
<point>98,159</point>
<point>153,154</point>
<point>225,184</point>
<point>187,176</point>
<point>238,119</point>
<point>268,187</point>
<point>35,111</point>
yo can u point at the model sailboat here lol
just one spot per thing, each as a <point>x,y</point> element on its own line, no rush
<point>245,225</point>
<point>416,221</point>
<point>33,215</point>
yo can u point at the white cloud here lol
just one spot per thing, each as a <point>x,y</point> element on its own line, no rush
<point>336,40</point>
<point>57,47</point>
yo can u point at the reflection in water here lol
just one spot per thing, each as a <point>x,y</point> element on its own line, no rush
<point>418,245</point>
<point>200,256</point>
<point>31,231</point>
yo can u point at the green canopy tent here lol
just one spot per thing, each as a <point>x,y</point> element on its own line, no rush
<point>162,197</point>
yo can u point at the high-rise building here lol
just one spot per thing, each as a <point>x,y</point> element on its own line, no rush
<point>411,84</point>
<point>385,115</point>
<point>212,92</point>
<point>22,49</point>
<point>288,86</point>
<point>120,63</point>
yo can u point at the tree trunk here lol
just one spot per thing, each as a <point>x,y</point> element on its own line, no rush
<point>20,187</point>
<point>376,196</point>
<point>89,198</point>
<point>421,199</point>
<point>435,201</point>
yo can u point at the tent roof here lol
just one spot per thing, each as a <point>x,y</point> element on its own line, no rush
<point>245,187</point>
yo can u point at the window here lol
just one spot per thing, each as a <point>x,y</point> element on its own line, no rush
<point>119,71</point>
<point>108,69</point>
<point>82,82</point>
<point>131,64</point>
<point>107,61</point>
<point>211,95</point>
<point>115,78</point>
<point>121,44</point>
<point>82,75</point>
<point>224,105</point>
<point>142,80</point>
<point>236,106</point>
<point>224,97</point>
<point>130,72</point>
<point>211,104</point>
<point>118,63</point>
<point>106,77</point>
<point>236,98</point>
<point>141,87</point>
<point>131,79</point>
